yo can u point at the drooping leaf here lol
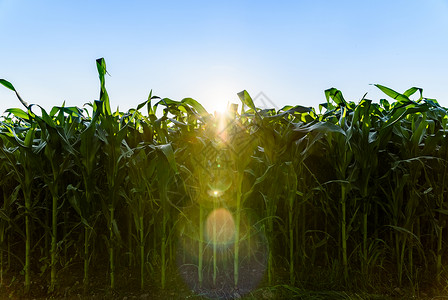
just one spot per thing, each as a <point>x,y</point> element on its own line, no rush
<point>393,94</point>
<point>196,105</point>
<point>167,150</point>
<point>7,84</point>
<point>336,95</point>
<point>412,90</point>
<point>320,127</point>
<point>247,100</point>
<point>19,113</point>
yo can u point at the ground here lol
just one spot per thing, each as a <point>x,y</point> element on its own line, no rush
<point>182,284</point>
<point>127,288</point>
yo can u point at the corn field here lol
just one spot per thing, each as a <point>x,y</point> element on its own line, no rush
<point>349,197</point>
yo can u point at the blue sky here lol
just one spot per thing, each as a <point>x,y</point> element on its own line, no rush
<point>208,50</point>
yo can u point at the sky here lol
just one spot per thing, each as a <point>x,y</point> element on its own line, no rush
<point>281,52</point>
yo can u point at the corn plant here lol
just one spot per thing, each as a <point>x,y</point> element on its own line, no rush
<point>142,168</point>
<point>356,188</point>
<point>7,223</point>
<point>23,163</point>
<point>58,152</point>
<point>82,195</point>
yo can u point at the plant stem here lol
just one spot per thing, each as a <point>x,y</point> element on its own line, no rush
<point>142,254</point>
<point>111,249</point>
<point>364,242</point>
<point>344,233</point>
<point>54,220</point>
<point>163,245</point>
<point>291,239</point>
<point>86,257</point>
<point>201,245</point>
<point>439,252</point>
<point>27,251</point>
<point>27,196</point>
<point>237,228</point>
<point>1,261</point>
<point>130,219</point>
<point>215,267</point>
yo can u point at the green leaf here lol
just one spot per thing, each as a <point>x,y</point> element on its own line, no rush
<point>167,150</point>
<point>419,133</point>
<point>320,127</point>
<point>384,103</point>
<point>29,137</point>
<point>167,102</point>
<point>47,119</point>
<point>7,84</point>
<point>143,104</point>
<point>104,97</point>
<point>393,94</point>
<point>4,216</point>
<point>18,113</point>
<point>412,90</point>
<point>441,211</point>
<point>405,231</point>
<point>196,105</point>
<point>247,100</point>
<point>296,109</point>
<point>336,95</point>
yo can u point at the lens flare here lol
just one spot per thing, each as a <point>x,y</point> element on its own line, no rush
<point>206,252</point>
<point>220,227</point>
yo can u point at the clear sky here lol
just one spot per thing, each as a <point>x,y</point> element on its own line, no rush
<point>211,50</point>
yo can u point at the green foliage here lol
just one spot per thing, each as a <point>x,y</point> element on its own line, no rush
<point>355,190</point>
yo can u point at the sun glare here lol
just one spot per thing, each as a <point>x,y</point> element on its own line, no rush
<point>218,107</point>
<point>220,227</point>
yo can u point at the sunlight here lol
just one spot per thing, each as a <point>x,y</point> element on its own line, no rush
<point>218,107</point>
<point>220,227</point>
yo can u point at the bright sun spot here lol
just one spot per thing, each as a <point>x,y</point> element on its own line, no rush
<point>219,107</point>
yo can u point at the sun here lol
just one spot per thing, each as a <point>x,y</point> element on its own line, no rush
<point>218,107</point>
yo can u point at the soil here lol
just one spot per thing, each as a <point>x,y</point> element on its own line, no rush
<point>218,277</point>
<point>182,282</point>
